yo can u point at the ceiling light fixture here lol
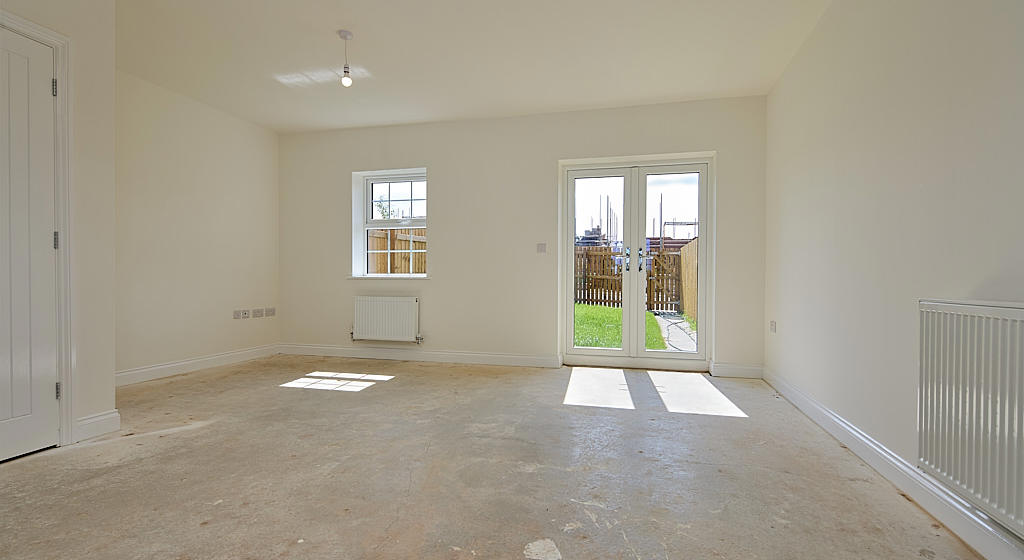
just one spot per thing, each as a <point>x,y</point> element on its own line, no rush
<point>346,78</point>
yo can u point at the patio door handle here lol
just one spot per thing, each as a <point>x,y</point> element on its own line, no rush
<point>640,256</point>
<point>627,259</point>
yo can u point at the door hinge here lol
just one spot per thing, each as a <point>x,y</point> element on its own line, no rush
<point>54,87</point>
<point>56,240</point>
<point>58,390</point>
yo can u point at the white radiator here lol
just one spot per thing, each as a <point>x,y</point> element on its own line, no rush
<point>387,318</point>
<point>971,419</point>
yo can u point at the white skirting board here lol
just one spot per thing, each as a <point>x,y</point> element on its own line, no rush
<point>410,354</point>
<point>96,425</point>
<point>146,373</point>
<point>987,538</point>
<point>721,369</point>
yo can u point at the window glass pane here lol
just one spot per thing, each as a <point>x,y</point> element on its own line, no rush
<point>598,262</point>
<point>401,209</point>
<point>419,189</point>
<point>401,191</point>
<point>379,204</point>
<point>671,248</point>
<point>419,262</point>
<point>400,241</point>
<point>419,209</point>
<point>376,263</point>
<point>381,210</point>
<point>400,263</point>
<point>377,240</point>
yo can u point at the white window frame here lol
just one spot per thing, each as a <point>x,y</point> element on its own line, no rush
<point>362,216</point>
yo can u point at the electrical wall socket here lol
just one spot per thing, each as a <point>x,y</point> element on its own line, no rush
<point>771,326</point>
<point>255,313</point>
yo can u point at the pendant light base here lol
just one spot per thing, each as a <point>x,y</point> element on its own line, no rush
<point>345,34</point>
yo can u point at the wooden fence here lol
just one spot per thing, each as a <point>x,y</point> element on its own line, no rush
<point>671,278</point>
<point>598,278</point>
<point>403,249</point>
<point>688,279</point>
<point>663,281</point>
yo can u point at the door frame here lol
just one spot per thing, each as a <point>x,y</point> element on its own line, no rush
<point>565,261</point>
<point>61,46</point>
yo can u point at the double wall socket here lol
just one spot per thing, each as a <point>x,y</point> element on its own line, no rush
<point>256,313</point>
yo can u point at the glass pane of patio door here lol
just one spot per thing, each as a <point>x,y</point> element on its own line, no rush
<point>672,204</point>
<point>599,261</point>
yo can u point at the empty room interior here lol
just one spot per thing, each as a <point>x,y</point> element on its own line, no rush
<point>541,280</point>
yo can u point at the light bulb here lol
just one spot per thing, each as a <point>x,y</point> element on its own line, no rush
<point>346,80</point>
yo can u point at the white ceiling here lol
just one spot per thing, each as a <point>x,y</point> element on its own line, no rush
<point>272,61</point>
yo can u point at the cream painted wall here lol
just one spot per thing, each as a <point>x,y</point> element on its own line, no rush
<point>90,27</point>
<point>893,174</point>
<point>197,227</point>
<point>493,194</point>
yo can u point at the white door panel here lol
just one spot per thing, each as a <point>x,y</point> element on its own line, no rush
<point>672,205</point>
<point>599,207</point>
<point>28,314</point>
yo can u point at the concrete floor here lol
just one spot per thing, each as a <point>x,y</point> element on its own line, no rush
<point>450,461</point>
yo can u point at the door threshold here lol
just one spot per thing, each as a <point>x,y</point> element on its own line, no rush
<point>663,364</point>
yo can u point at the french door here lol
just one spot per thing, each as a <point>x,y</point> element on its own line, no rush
<point>637,244</point>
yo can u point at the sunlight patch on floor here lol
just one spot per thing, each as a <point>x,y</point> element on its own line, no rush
<point>328,384</point>
<point>336,381</point>
<point>692,393</point>
<point>598,387</point>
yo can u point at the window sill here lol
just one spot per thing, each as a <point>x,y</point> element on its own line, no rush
<point>390,277</point>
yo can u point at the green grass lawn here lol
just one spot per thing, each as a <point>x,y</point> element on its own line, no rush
<point>597,326</point>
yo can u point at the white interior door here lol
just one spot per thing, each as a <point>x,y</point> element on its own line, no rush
<point>28,300</point>
<point>636,277</point>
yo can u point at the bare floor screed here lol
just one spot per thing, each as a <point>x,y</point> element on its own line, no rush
<point>456,461</point>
